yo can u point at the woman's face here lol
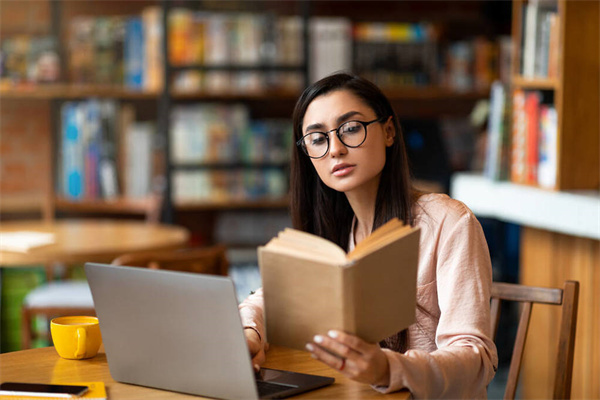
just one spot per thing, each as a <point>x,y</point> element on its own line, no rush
<point>343,168</point>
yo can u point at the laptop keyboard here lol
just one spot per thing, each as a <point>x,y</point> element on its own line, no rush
<point>268,389</point>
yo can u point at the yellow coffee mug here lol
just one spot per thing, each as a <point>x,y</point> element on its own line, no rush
<point>76,338</point>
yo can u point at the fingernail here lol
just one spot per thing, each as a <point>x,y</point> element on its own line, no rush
<point>257,367</point>
<point>309,347</point>
<point>332,334</point>
<point>318,339</point>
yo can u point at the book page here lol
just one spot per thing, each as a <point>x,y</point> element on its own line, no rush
<point>393,228</point>
<point>312,243</point>
<point>296,250</point>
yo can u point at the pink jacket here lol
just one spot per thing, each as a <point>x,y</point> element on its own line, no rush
<point>450,352</point>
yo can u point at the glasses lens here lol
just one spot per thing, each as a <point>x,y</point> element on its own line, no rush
<point>315,144</point>
<point>352,133</point>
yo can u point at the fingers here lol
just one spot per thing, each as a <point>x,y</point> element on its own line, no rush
<point>327,357</point>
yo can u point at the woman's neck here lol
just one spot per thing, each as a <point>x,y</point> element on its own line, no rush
<point>363,205</point>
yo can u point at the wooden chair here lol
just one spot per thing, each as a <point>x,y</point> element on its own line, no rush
<point>69,297</point>
<point>567,299</point>
<point>209,260</point>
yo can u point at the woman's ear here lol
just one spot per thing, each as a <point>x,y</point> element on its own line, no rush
<point>390,132</point>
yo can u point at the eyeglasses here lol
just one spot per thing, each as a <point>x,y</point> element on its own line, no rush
<point>351,134</point>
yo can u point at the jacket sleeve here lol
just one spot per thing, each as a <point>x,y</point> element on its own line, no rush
<point>465,360</point>
<point>252,313</point>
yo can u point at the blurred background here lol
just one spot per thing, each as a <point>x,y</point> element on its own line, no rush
<point>108,105</point>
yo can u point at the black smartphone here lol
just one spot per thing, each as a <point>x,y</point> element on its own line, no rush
<point>41,389</point>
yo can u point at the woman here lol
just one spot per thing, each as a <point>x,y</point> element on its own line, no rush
<point>349,176</point>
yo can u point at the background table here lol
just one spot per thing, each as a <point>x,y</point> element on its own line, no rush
<point>80,241</point>
<point>91,240</point>
<point>45,366</point>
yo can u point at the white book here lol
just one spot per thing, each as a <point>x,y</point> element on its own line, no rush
<point>548,148</point>
<point>23,241</point>
<point>529,32</point>
<point>330,46</point>
<point>495,126</point>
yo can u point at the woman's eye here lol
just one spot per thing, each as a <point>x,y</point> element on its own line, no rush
<point>317,141</point>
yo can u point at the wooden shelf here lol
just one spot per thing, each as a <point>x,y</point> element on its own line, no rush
<point>434,93</point>
<point>117,206</point>
<point>73,91</point>
<point>535,83</point>
<point>21,203</point>
<point>190,205</point>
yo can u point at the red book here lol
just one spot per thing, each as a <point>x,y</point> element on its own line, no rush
<point>519,138</point>
<point>532,111</point>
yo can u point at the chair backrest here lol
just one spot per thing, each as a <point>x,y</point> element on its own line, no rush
<point>567,298</point>
<point>208,260</point>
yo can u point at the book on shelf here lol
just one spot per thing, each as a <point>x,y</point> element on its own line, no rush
<point>496,152</point>
<point>330,46</point>
<point>394,54</point>
<point>547,167</point>
<point>518,163</point>
<point>538,16</point>
<point>311,285</point>
<point>532,112</point>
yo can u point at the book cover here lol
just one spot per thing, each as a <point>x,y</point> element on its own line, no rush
<point>311,285</point>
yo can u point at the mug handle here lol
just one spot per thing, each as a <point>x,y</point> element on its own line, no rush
<point>81,339</point>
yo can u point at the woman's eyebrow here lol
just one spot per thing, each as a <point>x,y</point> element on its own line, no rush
<point>340,119</point>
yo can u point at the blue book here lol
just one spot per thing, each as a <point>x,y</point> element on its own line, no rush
<point>73,158</point>
<point>134,56</point>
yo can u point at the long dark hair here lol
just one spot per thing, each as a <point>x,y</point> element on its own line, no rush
<point>318,209</point>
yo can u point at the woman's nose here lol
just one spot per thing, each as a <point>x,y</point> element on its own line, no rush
<point>336,147</point>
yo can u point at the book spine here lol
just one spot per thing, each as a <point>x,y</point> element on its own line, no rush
<point>530,31</point>
<point>73,178</point>
<point>553,45</point>
<point>532,111</point>
<point>519,138</point>
<point>134,57</point>
<point>548,148</point>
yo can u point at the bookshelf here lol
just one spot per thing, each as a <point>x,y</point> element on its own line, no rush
<point>426,101</point>
<point>573,90</point>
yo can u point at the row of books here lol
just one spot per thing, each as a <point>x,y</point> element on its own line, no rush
<point>540,53</point>
<point>27,58</point>
<point>249,39</point>
<point>103,152</point>
<point>212,133</point>
<point>222,185</point>
<point>223,82</point>
<point>522,137</point>
<point>476,63</point>
<point>117,50</point>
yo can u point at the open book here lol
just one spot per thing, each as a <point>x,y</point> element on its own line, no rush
<point>311,285</point>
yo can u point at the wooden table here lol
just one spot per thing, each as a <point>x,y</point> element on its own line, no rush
<point>45,366</point>
<point>78,241</point>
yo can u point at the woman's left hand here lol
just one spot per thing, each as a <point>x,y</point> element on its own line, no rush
<point>352,356</point>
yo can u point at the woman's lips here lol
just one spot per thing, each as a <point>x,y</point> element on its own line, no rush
<point>342,170</point>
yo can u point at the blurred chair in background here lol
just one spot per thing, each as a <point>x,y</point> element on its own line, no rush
<point>71,297</point>
<point>567,299</point>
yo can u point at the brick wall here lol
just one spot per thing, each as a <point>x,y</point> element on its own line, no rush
<point>25,130</point>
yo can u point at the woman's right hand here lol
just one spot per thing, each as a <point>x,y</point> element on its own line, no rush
<point>257,350</point>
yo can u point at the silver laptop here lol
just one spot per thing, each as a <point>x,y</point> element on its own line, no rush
<point>182,332</point>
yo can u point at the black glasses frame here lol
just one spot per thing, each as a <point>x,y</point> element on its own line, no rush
<point>300,142</point>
